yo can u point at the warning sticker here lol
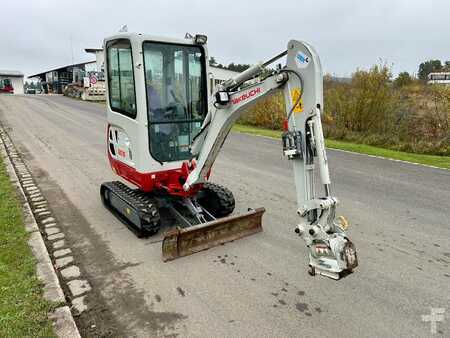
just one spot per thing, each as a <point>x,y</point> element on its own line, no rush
<point>295,94</point>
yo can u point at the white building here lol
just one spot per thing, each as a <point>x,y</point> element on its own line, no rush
<point>219,75</point>
<point>99,58</point>
<point>55,80</point>
<point>439,78</point>
<point>11,78</point>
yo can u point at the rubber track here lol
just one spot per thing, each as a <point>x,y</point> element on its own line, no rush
<point>141,201</point>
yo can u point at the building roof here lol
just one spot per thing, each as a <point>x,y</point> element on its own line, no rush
<point>13,73</point>
<point>439,73</point>
<point>61,68</point>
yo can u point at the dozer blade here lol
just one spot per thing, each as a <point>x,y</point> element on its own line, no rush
<point>186,241</point>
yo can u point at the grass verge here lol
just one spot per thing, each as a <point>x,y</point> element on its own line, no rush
<point>437,161</point>
<point>23,311</point>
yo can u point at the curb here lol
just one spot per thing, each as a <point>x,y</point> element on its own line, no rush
<point>63,322</point>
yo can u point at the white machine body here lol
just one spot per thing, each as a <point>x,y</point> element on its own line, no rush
<point>143,152</point>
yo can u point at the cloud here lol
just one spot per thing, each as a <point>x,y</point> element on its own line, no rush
<point>38,35</point>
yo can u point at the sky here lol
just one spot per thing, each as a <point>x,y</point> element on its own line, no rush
<point>348,34</point>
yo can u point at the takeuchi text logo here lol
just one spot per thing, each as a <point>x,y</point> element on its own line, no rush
<point>246,96</point>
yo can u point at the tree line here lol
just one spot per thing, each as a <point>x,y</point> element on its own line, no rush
<point>373,108</point>
<point>33,85</point>
<point>432,66</point>
<point>403,78</point>
<point>425,68</point>
<point>236,67</point>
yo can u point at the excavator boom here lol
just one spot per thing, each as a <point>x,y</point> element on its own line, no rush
<point>330,251</point>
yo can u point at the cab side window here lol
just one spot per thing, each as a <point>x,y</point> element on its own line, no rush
<point>122,95</point>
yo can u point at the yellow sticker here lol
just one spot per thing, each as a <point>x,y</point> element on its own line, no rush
<point>128,211</point>
<point>295,93</point>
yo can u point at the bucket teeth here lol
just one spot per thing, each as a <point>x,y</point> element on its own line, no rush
<point>186,241</point>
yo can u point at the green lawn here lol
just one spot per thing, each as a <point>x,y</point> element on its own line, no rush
<point>23,311</point>
<point>437,161</point>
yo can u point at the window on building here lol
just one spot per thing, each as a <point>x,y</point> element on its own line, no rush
<point>122,96</point>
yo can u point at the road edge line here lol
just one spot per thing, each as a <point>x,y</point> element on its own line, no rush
<point>353,152</point>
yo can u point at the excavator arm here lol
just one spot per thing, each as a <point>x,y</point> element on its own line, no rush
<point>331,253</point>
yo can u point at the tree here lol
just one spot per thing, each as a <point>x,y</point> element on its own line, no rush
<point>33,85</point>
<point>237,67</point>
<point>428,67</point>
<point>212,61</point>
<point>403,79</point>
<point>446,66</point>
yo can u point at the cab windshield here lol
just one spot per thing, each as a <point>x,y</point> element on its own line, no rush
<point>176,98</point>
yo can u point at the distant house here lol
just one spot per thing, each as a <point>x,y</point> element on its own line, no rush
<point>11,81</point>
<point>439,78</point>
<point>54,80</point>
<point>99,58</point>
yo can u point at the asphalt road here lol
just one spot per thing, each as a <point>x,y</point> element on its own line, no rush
<point>257,286</point>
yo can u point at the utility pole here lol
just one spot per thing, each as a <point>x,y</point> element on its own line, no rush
<point>71,49</point>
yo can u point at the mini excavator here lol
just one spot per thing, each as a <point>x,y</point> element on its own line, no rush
<point>165,131</point>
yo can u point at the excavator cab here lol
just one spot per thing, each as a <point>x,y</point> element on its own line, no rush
<point>157,100</point>
<point>165,96</point>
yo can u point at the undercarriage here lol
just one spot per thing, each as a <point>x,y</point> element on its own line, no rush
<point>199,222</point>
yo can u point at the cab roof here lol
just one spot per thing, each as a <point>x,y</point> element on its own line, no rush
<point>139,38</point>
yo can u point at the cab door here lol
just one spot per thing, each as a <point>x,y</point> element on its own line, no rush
<point>176,86</point>
<point>122,106</point>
